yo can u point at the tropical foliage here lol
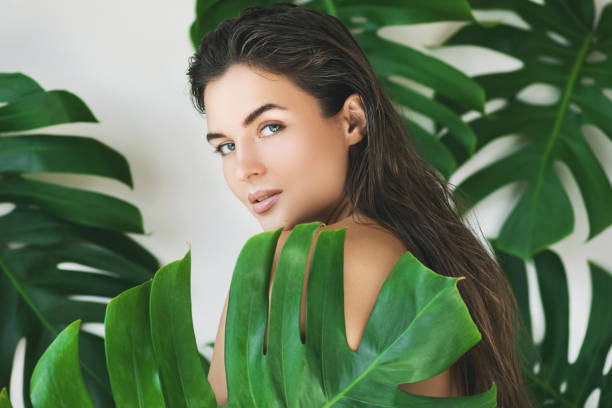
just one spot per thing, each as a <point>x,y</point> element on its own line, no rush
<point>561,48</point>
<point>153,359</point>
<point>553,379</point>
<point>52,226</point>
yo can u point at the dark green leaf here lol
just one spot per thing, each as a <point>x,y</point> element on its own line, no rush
<point>68,154</point>
<point>15,85</point>
<point>551,355</point>
<point>75,205</point>
<point>32,226</point>
<point>43,109</point>
<point>556,50</point>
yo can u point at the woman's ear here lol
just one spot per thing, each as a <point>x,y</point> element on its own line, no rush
<point>353,119</point>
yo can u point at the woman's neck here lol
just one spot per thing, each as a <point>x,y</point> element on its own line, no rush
<point>343,214</point>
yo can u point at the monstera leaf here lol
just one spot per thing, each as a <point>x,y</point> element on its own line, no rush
<point>554,381</point>
<point>564,49</point>
<point>364,18</point>
<point>51,226</point>
<point>418,328</point>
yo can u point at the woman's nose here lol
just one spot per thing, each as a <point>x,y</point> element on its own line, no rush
<point>248,162</point>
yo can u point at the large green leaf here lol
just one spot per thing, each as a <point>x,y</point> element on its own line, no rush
<point>15,85</point>
<point>35,110</point>
<point>67,154</point>
<point>563,49</point>
<point>364,18</point>
<point>132,365</point>
<point>552,378</point>
<point>53,225</point>
<point>72,204</point>
<point>182,376</point>
<point>401,342</point>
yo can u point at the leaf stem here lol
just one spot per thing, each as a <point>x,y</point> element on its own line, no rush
<point>550,390</point>
<point>27,298</point>
<point>567,93</point>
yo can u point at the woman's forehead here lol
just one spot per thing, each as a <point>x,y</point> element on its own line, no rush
<point>241,90</point>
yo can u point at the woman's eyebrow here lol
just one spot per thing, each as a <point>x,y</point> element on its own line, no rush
<point>248,120</point>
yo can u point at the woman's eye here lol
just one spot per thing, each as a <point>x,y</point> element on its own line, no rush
<point>219,149</point>
<point>274,125</point>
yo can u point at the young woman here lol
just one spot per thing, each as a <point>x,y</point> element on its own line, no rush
<point>306,133</point>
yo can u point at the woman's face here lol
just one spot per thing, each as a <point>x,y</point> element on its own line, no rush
<point>289,147</point>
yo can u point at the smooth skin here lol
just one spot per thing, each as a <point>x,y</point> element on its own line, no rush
<point>295,149</point>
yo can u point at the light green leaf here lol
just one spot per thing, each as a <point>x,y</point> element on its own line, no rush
<point>4,399</point>
<point>132,365</point>
<point>49,385</point>
<point>400,344</point>
<point>183,380</point>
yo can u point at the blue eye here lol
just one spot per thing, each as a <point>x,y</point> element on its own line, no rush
<point>278,126</point>
<point>219,148</point>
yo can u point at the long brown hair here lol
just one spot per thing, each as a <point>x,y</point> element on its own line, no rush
<point>387,179</point>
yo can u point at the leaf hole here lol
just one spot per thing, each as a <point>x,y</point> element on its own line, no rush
<point>538,321</point>
<point>563,387</point>
<point>547,59</point>
<point>575,108</point>
<point>587,81</point>
<point>558,38</point>
<point>77,267</point>
<point>90,298</point>
<point>593,400</point>
<point>6,208</point>
<point>596,56</point>
<point>507,17</point>
<point>15,245</point>
<point>536,368</point>
<point>608,363</point>
<point>540,94</point>
<point>16,385</point>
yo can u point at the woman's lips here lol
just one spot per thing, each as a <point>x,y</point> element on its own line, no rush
<point>266,204</point>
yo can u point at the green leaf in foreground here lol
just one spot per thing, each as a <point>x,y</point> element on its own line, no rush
<point>132,365</point>
<point>57,381</point>
<point>183,380</point>
<point>419,327</point>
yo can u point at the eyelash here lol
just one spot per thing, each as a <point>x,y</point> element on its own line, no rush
<point>217,150</point>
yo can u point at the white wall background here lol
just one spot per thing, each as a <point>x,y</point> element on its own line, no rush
<point>127,60</point>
